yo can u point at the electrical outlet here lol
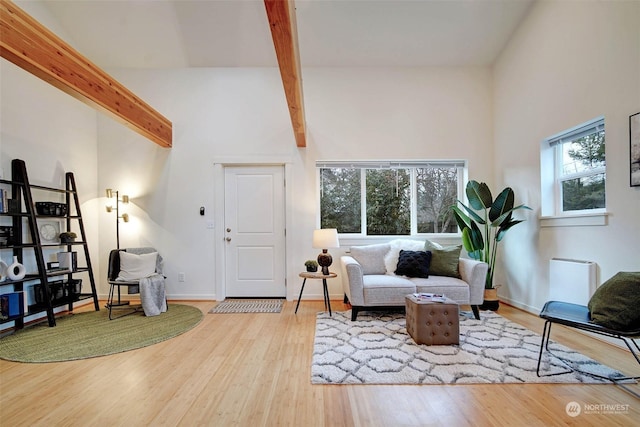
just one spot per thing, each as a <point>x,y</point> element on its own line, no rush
<point>181,277</point>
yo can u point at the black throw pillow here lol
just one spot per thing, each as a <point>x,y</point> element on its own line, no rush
<point>414,264</point>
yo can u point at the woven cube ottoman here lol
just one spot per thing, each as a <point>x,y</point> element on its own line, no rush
<point>432,323</point>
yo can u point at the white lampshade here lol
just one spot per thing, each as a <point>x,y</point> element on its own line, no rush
<point>325,238</point>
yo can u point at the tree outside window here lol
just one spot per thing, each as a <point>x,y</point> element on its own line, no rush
<point>583,173</point>
<point>396,200</point>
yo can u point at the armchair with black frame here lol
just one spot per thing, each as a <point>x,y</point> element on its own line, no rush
<point>612,311</point>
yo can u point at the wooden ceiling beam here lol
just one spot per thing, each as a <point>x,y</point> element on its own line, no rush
<point>31,46</point>
<point>282,21</point>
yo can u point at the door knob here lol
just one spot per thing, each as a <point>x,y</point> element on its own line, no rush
<point>228,230</point>
<point>228,239</point>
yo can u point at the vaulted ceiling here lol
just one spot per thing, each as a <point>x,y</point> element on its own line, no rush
<point>243,33</point>
<point>331,33</point>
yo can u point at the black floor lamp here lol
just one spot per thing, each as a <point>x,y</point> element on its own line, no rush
<point>124,216</point>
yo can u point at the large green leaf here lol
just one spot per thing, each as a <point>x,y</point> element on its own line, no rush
<point>502,204</point>
<point>479,195</point>
<point>477,240</point>
<point>461,218</point>
<point>470,214</point>
<point>506,217</point>
<point>505,227</point>
<point>468,245</point>
<point>466,239</point>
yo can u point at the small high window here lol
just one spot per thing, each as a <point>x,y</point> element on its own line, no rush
<point>573,170</point>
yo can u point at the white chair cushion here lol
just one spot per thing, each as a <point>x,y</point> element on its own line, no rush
<point>135,267</point>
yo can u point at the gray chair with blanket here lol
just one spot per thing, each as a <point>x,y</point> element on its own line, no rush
<point>139,270</point>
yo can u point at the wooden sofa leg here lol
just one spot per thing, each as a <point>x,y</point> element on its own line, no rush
<point>354,313</point>
<point>476,312</point>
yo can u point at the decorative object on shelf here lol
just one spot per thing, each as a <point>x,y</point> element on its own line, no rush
<point>51,208</point>
<point>68,260</point>
<point>634,149</point>
<point>16,271</point>
<point>27,227</point>
<point>3,271</point>
<point>49,232</point>
<point>68,237</point>
<point>6,235</point>
<point>312,266</point>
<point>494,217</point>
<point>124,216</point>
<point>323,239</point>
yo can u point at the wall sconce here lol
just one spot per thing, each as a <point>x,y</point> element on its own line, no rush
<point>124,216</point>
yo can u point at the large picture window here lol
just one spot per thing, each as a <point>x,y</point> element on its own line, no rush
<point>579,169</point>
<point>389,198</point>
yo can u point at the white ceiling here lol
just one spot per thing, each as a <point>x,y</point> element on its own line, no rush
<point>331,33</point>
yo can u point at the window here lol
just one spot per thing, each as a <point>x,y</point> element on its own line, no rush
<point>574,170</point>
<point>389,198</point>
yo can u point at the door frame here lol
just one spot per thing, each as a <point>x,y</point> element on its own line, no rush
<point>219,166</point>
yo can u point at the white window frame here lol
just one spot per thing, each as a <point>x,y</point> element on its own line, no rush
<point>363,165</point>
<point>552,177</point>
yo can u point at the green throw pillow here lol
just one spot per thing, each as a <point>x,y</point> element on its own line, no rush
<point>444,260</point>
<point>615,303</point>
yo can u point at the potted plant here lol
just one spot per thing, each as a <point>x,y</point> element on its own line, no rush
<point>483,225</point>
<point>68,237</point>
<point>312,265</point>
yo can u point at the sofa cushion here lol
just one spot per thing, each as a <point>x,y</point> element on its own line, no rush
<point>391,258</point>
<point>371,257</point>
<point>382,290</point>
<point>444,260</point>
<point>413,263</point>
<point>615,303</point>
<point>456,289</point>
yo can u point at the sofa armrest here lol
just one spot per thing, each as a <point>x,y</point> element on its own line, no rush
<point>475,274</point>
<point>352,280</point>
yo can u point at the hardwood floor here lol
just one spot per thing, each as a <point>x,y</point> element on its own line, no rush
<point>254,370</point>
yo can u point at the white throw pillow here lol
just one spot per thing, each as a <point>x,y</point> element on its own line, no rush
<point>391,258</point>
<point>371,257</point>
<point>134,267</point>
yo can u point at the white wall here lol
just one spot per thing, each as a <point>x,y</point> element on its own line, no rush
<point>54,134</point>
<point>569,62</point>
<point>227,114</point>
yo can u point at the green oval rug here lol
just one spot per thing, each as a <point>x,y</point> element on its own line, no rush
<point>92,334</point>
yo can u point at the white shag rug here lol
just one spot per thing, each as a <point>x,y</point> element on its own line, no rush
<point>248,306</point>
<point>376,349</point>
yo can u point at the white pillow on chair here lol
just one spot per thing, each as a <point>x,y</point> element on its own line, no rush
<point>135,267</point>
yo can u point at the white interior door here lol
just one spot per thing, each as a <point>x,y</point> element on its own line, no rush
<point>254,231</point>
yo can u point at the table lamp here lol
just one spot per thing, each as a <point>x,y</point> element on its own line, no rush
<point>323,239</point>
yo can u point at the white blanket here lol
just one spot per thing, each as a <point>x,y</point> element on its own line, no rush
<point>152,295</point>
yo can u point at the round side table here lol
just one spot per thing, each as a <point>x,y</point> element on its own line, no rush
<point>307,275</point>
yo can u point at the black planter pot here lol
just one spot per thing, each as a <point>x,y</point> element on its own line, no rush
<point>490,305</point>
<point>491,301</point>
<point>312,269</point>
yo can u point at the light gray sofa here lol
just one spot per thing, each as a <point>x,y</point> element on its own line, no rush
<point>369,281</point>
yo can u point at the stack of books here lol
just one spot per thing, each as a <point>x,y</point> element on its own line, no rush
<point>12,305</point>
<point>430,297</point>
